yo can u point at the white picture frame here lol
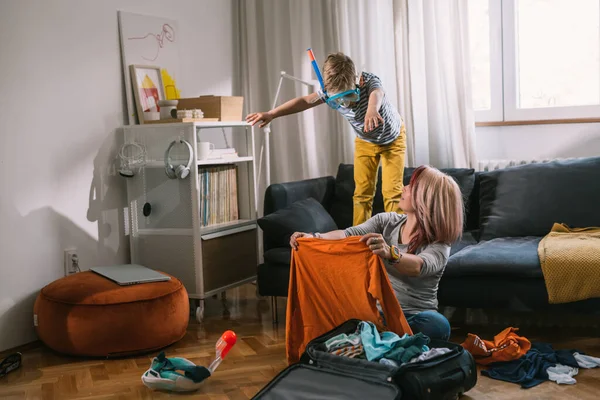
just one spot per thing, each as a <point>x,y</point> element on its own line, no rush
<point>148,89</point>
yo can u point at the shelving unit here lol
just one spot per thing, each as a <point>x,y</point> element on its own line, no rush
<point>222,161</point>
<point>207,259</point>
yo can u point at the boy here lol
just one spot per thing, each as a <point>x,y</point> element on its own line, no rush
<point>380,131</point>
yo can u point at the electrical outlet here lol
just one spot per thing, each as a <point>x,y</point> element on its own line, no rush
<point>71,261</point>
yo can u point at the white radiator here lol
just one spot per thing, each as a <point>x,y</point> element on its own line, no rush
<point>490,165</point>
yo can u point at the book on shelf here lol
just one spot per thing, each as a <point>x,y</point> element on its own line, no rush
<point>218,194</point>
<point>217,154</point>
<point>230,156</point>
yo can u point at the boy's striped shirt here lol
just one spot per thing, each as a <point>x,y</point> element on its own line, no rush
<point>386,132</point>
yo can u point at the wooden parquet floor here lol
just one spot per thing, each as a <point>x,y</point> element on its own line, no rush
<point>257,357</point>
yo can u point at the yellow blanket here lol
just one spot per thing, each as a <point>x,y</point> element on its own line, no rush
<point>570,259</point>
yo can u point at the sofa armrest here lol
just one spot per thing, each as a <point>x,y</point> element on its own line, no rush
<point>281,195</point>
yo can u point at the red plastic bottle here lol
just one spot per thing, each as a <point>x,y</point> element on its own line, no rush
<point>224,344</point>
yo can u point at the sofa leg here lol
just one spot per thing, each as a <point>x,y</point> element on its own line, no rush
<point>274,309</point>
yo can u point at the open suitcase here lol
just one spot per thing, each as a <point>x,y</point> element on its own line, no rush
<point>320,375</point>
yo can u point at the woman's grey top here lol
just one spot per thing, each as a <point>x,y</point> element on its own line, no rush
<point>418,293</point>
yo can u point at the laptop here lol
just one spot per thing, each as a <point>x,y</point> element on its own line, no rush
<point>130,274</point>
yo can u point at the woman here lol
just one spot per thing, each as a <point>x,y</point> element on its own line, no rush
<point>415,246</point>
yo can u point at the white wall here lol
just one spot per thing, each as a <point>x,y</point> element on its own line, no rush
<point>61,102</point>
<point>538,141</point>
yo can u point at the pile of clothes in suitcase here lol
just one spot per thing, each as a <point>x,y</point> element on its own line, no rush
<point>513,358</point>
<point>385,347</point>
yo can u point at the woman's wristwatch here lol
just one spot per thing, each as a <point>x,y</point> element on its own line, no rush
<point>316,235</point>
<point>396,254</point>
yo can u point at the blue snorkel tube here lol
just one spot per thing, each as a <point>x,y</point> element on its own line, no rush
<point>336,100</point>
<point>311,56</point>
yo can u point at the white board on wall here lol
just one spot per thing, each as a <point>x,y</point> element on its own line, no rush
<point>149,40</point>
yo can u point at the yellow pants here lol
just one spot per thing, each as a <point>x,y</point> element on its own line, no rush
<point>366,163</point>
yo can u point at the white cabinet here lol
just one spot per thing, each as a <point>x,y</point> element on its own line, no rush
<point>172,235</point>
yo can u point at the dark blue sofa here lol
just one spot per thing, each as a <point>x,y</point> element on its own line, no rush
<point>496,263</point>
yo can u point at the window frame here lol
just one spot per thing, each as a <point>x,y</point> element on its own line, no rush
<point>504,76</point>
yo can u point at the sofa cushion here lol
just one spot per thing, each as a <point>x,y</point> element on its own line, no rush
<point>514,257</point>
<point>342,207</point>
<point>469,238</point>
<point>472,206</point>
<point>520,295</point>
<point>281,195</point>
<point>279,255</point>
<point>301,216</point>
<point>528,199</point>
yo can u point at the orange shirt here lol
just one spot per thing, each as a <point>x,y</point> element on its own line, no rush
<point>332,281</point>
<point>506,346</point>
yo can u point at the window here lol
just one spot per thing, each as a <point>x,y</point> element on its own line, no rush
<point>535,59</point>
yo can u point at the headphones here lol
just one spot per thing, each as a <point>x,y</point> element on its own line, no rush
<point>181,171</point>
<point>128,163</point>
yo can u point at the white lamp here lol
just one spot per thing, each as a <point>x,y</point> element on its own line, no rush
<point>267,128</point>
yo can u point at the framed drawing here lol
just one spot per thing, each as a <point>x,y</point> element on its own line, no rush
<point>149,40</point>
<point>148,89</point>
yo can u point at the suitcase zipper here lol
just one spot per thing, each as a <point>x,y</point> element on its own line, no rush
<point>320,362</point>
<point>365,372</point>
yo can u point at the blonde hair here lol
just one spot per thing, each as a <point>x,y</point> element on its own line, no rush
<point>439,208</point>
<point>339,73</point>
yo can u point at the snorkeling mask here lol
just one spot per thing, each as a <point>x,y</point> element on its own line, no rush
<point>344,99</point>
<point>164,374</point>
<point>178,374</point>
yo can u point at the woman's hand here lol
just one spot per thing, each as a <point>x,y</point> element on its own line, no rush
<point>295,236</point>
<point>265,117</point>
<point>377,245</point>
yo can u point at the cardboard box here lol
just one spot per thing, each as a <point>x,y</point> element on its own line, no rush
<point>225,108</point>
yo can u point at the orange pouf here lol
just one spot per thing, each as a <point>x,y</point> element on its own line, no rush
<point>86,314</point>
